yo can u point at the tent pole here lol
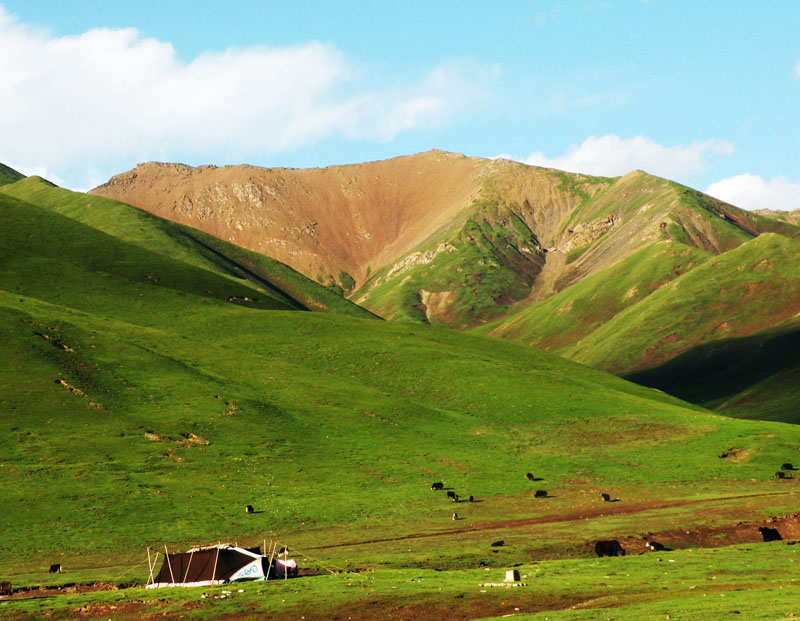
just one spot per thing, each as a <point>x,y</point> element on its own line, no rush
<point>214,571</point>
<point>151,580</point>
<point>169,564</point>
<point>155,562</point>
<point>186,575</point>
<point>271,551</point>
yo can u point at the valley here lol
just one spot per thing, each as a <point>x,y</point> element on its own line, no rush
<point>163,368</point>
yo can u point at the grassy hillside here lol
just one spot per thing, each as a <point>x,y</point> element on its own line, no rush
<point>575,312</point>
<point>9,175</point>
<point>149,396</point>
<point>534,233</point>
<point>185,244</point>
<point>540,255</point>
<point>740,292</point>
<point>750,377</point>
<point>141,406</point>
<point>48,256</point>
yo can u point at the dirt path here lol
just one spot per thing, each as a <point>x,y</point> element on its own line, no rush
<point>604,511</point>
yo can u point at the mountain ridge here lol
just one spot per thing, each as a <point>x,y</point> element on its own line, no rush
<point>495,246</point>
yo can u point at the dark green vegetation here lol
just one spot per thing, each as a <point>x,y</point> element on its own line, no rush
<point>153,386</point>
<point>9,175</point>
<point>750,377</point>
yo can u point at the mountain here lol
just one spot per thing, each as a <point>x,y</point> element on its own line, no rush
<point>513,251</point>
<point>148,399</point>
<point>347,219</point>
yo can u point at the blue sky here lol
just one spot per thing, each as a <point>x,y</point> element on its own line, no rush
<point>704,93</point>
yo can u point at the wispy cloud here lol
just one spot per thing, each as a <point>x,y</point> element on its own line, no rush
<point>753,192</point>
<point>611,155</point>
<point>114,93</point>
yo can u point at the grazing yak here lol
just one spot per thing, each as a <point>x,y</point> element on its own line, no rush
<point>787,466</point>
<point>540,493</point>
<point>498,544</point>
<point>781,475</point>
<point>530,477</point>
<point>472,498</point>
<point>452,496</point>
<point>249,509</point>
<point>654,546</point>
<point>55,568</point>
<point>437,485</point>
<point>609,548</point>
<point>455,516</point>
<point>769,534</point>
<point>606,497</point>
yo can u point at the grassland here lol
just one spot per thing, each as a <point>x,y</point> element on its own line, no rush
<point>686,584</point>
<point>148,396</point>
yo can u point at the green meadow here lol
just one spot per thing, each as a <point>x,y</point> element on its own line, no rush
<point>156,381</point>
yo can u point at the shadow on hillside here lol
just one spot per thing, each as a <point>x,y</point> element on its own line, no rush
<point>717,372</point>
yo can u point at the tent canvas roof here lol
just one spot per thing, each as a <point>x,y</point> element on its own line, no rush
<point>209,566</point>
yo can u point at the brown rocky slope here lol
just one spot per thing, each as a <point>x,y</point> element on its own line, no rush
<point>319,221</point>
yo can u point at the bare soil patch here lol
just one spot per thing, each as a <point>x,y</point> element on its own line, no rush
<point>609,509</point>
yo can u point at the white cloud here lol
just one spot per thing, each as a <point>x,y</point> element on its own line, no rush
<point>752,192</point>
<point>612,156</point>
<point>114,93</point>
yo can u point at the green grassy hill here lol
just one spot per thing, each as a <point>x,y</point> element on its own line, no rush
<point>148,396</point>
<point>533,233</point>
<point>142,406</point>
<point>713,313</point>
<point>740,292</point>
<point>575,312</point>
<point>9,175</point>
<point>188,245</point>
<point>750,377</point>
